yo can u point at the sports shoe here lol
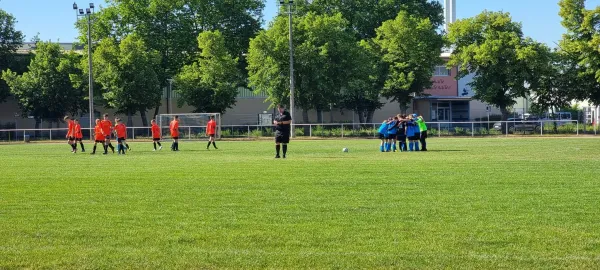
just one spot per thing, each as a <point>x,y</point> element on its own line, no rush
<point>82,151</point>
<point>153,150</point>
<point>277,156</point>
<point>284,156</point>
<point>160,147</point>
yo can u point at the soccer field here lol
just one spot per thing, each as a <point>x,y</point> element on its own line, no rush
<point>468,203</point>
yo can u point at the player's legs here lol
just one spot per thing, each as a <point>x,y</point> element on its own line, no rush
<point>278,140</point>
<point>285,142</point>
<point>71,142</point>
<point>416,140</point>
<point>393,142</point>
<point>424,140</point>
<point>382,144</point>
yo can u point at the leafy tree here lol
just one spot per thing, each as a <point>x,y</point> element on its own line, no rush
<point>126,73</point>
<point>492,46</point>
<point>323,58</point>
<point>10,40</point>
<point>365,16</point>
<point>211,83</point>
<point>410,47</point>
<point>581,43</point>
<point>45,91</point>
<point>171,27</point>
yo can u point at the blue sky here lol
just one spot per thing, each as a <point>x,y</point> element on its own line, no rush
<point>54,19</point>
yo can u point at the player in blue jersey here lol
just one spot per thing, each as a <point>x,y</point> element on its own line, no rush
<point>392,133</point>
<point>401,136</point>
<point>383,135</point>
<point>412,133</point>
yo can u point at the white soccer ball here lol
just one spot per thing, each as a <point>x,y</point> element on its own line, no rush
<point>345,150</point>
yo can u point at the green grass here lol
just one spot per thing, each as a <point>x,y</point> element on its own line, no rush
<point>474,204</point>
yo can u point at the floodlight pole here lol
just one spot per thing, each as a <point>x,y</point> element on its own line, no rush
<point>289,4</point>
<point>88,13</point>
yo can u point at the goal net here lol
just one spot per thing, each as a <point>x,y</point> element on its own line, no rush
<point>191,125</point>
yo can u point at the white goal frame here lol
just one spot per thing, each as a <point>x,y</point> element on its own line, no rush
<point>186,128</point>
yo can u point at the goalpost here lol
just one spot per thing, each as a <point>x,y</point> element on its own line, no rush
<point>191,125</point>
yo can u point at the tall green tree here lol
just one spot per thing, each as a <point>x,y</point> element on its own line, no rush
<point>126,73</point>
<point>410,47</point>
<point>45,91</point>
<point>10,40</point>
<point>365,16</point>
<point>323,61</point>
<point>492,46</point>
<point>581,43</point>
<point>171,27</point>
<point>211,83</point>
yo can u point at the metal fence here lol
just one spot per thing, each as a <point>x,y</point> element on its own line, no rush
<point>339,130</point>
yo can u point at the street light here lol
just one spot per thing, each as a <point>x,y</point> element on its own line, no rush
<point>88,13</point>
<point>290,4</point>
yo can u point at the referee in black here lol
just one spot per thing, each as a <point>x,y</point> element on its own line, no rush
<point>283,123</point>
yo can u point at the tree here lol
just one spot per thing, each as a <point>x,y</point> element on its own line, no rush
<point>171,27</point>
<point>581,43</point>
<point>492,46</point>
<point>323,58</point>
<point>365,16</point>
<point>211,83</point>
<point>410,47</point>
<point>126,73</point>
<point>10,40</point>
<point>45,91</point>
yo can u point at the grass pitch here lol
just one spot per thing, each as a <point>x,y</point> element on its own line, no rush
<point>468,203</point>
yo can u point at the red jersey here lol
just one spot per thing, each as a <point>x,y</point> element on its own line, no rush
<point>77,130</point>
<point>155,131</point>
<point>98,133</point>
<point>211,127</point>
<point>71,126</point>
<point>106,127</point>
<point>174,128</point>
<point>121,130</point>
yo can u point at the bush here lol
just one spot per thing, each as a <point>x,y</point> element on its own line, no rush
<point>336,132</point>
<point>299,132</point>
<point>461,131</point>
<point>256,133</point>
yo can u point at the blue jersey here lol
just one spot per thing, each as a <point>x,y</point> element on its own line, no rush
<point>383,129</point>
<point>411,128</point>
<point>393,128</point>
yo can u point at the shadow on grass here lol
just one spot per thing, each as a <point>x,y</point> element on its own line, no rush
<point>446,151</point>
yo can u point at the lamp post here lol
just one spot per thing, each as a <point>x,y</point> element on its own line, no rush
<point>88,13</point>
<point>289,4</point>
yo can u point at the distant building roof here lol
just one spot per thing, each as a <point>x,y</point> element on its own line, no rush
<point>28,47</point>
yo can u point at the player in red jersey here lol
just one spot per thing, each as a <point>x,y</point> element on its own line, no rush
<point>156,135</point>
<point>174,128</point>
<point>79,136</point>
<point>121,131</point>
<point>71,134</point>
<point>211,131</point>
<point>107,129</point>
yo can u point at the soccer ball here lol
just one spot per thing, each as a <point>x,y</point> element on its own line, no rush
<point>345,150</point>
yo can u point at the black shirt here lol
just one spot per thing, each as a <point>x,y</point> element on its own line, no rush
<point>285,116</point>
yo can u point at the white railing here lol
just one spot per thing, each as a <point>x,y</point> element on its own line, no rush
<point>336,130</point>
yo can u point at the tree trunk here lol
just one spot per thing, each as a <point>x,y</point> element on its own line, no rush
<point>38,122</point>
<point>361,116</point>
<point>144,118</point>
<point>504,112</point>
<point>129,119</point>
<point>319,116</point>
<point>403,108</point>
<point>370,116</point>
<point>156,110</point>
<point>305,120</point>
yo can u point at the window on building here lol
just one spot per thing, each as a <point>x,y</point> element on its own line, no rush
<point>441,71</point>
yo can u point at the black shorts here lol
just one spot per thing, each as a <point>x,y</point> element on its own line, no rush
<point>156,139</point>
<point>414,138</point>
<point>401,138</point>
<point>119,140</point>
<point>78,139</point>
<point>211,135</point>
<point>71,138</point>
<point>175,138</point>
<point>282,138</point>
<point>392,136</point>
<point>383,136</point>
<point>424,135</point>
<point>107,137</point>
<point>97,141</point>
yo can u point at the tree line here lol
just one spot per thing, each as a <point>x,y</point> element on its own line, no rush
<point>348,55</point>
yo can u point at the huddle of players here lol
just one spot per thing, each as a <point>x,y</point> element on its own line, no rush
<point>104,130</point>
<point>400,128</point>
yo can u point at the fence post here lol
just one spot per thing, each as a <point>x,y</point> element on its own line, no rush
<point>248,131</point>
<point>189,133</point>
<point>342,130</point>
<point>133,132</point>
<point>473,129</point>
<point>309,130</point>
<point>506,126</point>
<point>577,127</point>
<point>439,129</point>
<point>50,134</point>
<point>542,128</point>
